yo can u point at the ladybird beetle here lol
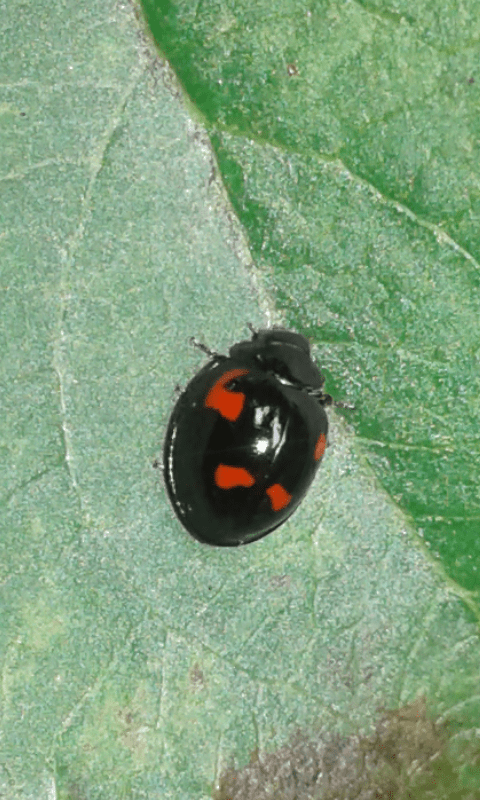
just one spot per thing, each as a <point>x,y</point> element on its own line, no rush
<point>245,438</point>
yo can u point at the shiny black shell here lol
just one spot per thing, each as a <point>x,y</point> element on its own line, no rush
<point>245,439</point>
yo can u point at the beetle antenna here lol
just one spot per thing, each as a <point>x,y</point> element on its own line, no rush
<point>202,347</point>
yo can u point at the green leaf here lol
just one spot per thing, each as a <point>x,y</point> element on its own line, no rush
<point>134,661</point>
<point>348,138</point>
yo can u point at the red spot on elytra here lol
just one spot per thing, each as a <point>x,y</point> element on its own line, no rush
<point>229,404</point>
<point>320,447</point>
<point>279,497</point>
<point>230,477</point>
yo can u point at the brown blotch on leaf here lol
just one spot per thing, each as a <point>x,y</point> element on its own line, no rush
<point>405,758</point>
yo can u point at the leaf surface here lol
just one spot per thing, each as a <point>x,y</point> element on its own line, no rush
<point>135,662</point>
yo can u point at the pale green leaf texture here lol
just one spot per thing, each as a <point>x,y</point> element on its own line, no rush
<point>135,662</point>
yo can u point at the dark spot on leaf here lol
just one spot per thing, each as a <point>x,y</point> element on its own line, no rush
<point>75,792</point>
<point>280,582</point>
<point>197,678</point>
